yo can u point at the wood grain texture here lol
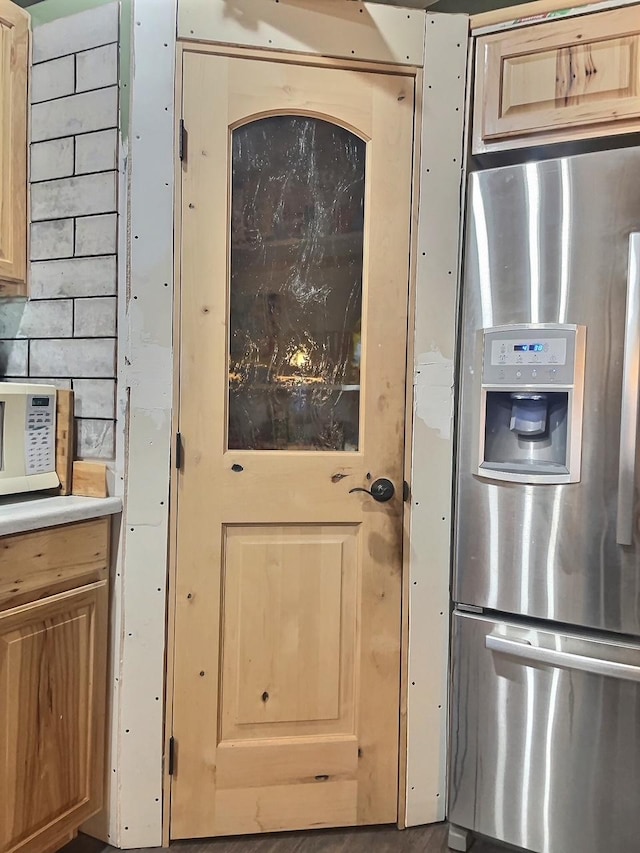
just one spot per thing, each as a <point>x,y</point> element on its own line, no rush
<point>52,693</point>
<point>286,505</point>
<point>560,80</point>
<point>65,439</point>
<point>14,60</point>
<point>43,562</point>
<point>90,479</point>
<point>535,9</point>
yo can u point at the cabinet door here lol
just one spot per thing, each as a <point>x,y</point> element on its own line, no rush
<point>52,695</point>
<point>14,59</point>
<point>560,80</point>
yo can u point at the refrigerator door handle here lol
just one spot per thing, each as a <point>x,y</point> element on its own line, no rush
<point>563,660</point>
<point>630,389</point>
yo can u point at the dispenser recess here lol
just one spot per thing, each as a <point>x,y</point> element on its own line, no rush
<point>530,425</point>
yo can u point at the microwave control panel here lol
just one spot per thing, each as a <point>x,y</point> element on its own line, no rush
<point>40,434</point>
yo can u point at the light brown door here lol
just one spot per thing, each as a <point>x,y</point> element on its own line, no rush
<point>296,207</point>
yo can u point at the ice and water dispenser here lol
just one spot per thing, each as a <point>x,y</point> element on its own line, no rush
<point>531,403</point>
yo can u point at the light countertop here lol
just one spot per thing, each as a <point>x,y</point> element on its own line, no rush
<point>18,514</point>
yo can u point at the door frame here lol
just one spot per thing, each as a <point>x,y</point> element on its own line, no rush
<point>436,43</point>
<point>184,47</point>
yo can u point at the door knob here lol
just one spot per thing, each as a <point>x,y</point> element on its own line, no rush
<point>381,490</point>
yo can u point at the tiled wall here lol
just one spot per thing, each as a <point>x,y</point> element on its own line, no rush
<point>66,333</point>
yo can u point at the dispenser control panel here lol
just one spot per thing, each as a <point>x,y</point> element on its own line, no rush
<point>542,351</point>
<point>529,356</point>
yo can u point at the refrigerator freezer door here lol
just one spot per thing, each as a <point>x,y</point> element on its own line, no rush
<point>545,737</point>
<point>548,242</point>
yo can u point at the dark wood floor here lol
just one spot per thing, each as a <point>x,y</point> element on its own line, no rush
<point>423,839</point>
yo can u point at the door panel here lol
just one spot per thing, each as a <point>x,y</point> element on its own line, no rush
<point>288,641</point>
<point>296,205</point>
<point>520,770</point>
<point>558,80</point>
<point>14,67</point>
<point>542,248</point>
<point>52,684</point>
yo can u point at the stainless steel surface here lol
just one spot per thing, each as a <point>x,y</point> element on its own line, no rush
<point>563,660</point>
<point>556,456</point>
<point>543,757</point>
<point>548,243</point>
<point>630,390</point>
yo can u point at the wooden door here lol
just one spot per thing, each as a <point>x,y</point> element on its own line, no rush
<point>14,59</point>
<point>558,80</point>
<point>296,207</point>
<point>52,694</point>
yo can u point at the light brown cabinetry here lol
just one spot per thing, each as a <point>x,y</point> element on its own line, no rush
<point>564,79</point>
<point>14,64</point>
<point>52,683</point>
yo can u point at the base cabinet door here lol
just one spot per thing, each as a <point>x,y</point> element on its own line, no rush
<point>52,690</point>
<point>560,80</point>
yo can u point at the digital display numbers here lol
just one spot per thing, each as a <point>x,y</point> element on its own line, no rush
<point>529,348</point>
<point>40,401</point>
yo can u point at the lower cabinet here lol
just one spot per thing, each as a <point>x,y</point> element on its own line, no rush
<point>52,712</point>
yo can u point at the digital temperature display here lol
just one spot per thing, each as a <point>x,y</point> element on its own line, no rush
<point>529,348</point>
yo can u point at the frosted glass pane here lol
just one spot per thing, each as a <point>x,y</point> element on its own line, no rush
<point>296,285</point>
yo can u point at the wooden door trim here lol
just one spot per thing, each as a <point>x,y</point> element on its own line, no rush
<point>408,452</point>
<point>173,482</point>
<point>265,55</point>
<point>184,47</point>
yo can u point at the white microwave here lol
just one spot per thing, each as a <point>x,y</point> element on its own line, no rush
<point>27,438</point>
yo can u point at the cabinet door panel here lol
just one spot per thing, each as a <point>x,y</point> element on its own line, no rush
<point>559,80</point>
<point>52,684</point>
<point>14,58</point>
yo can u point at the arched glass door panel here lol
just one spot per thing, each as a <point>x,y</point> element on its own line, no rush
<point>297,231</point>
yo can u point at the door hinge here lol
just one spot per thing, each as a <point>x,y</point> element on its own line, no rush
<point>406,491</point>
<point>172,756</point>
<point>182,141</point>
<point>179,452</point>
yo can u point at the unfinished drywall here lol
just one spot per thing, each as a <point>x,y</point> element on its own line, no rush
<point>65,334</point>
<point>439,225</point>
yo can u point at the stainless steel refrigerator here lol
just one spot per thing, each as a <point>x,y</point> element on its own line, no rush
<point>545,726</point>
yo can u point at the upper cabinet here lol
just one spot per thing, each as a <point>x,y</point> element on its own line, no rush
<point>565,79</point>
<point>14,64</point>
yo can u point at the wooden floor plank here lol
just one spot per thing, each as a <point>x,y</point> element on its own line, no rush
<point>386,839</point>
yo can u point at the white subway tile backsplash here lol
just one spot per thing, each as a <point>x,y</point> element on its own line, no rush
<point>53,159</point>
<point>96,152</point>
<point>67,329</point>
<point>95,398</point>
<point>97,68</point>
<point>74,196</point>
<point>95,318</point>
<point>52,79</point>
<point>14,358</point>
<point>52,239</point>
<point>95,439</point>
<point>57,383</point>
<point>46,319</point>
<point>87,29</point>
<point>75,114</point>
<point>76,277</point>
<point>73,357</point>
<point>96,235</point>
